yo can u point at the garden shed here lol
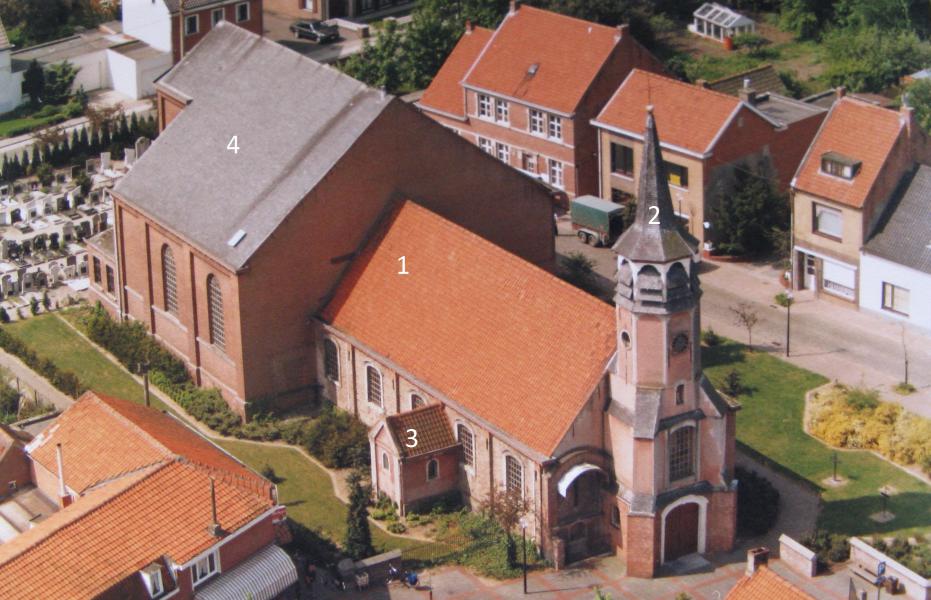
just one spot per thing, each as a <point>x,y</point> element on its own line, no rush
<point>717,22</point>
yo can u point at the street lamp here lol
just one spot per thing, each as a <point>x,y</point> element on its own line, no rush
<point>523,539</point>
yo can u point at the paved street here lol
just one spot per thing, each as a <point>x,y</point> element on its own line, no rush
<point>840,342</point>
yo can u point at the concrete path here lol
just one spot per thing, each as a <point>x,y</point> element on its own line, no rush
<point>840,342</point>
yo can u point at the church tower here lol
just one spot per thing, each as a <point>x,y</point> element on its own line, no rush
<point>672,435</point>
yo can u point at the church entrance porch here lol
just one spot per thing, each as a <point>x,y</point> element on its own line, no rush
<point>581,523</point>
<point>682,531</point>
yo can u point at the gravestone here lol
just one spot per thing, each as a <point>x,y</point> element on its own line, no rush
<point>104,161</point>
<point>142,144</point>
<point>129,156</point>
<point>75,171</point>
<point>92,165</point>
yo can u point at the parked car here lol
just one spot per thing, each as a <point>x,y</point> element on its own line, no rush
<point>315,30</point>
<point>596,221</point>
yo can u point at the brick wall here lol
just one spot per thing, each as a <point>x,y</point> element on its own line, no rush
<point>254,24</point>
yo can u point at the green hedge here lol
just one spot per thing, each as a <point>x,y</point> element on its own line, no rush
<point>66,381</point>
<point>757,503</point>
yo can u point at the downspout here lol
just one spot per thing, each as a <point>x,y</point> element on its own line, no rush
<point>355,386</point>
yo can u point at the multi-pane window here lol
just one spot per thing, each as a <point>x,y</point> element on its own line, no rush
<point>464,435</point>
<point>417,401</point>
<point>895,298</point>
<point>216,15</point>
<point>555,173</point>
<point>111,286</point>
<point>373,381</point>
<point>190,24</point>
<point>682,453</point>
<point>433,469</point>
<point>484,106</point>
<point>95,267</point>
<point>242,12</point>
<point>839,166</point>
<point>501,110</point>
<point>555,127</point>
<point>677,174</point>
<point>169,280</point>
<point>503,152</point>
<point>528,162</point>
<point>828,221</point>
<point>622,159</point>
<point>514,475</point>
<point>205,567</point>
<point>331,360</point>
<point>486,145</point>
<point>215,313</point>
<point>537,121</point>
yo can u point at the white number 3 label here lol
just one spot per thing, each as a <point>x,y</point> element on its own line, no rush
<point>654,220</point>
<point>411,438</point>
<point>234,144</point>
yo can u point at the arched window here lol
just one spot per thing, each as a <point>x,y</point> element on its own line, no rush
<point>680,393</point>
<point>169,280</point>
<point>465,437</point>
<point>417,401</point>
<point>433,469</point>
<point>215,312</point>
<point>682,453</point>
<point>514,476</point>
<point>331,360</point>
<point>384,460</point>
<point>373,379</point>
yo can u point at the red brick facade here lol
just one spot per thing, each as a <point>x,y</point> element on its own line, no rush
<point>231,13</point>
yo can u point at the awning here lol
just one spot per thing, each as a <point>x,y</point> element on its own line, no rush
<point>572,474</point>
<point>264,576</point>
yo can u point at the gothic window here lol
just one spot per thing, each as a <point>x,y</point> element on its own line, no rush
<point>331,360</point>
<point>433,469</point>
<point>373,378</point>
<point>215,313</point>
<point>682,453</point>
<point>384,461</point>
<point>417,401</point>
<point>680,394</point>
<point>514,476</point>
<point>169,280</point>
<point>465,437</point>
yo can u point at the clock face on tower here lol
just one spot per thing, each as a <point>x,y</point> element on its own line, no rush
<point>680,343</point>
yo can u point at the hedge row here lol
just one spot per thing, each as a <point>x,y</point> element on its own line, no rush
<point>66,381</point>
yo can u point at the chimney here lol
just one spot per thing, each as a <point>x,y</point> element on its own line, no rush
<point>622,30</point>
<point>747,94</point>
<point>64,498</point>
<point>841,91</point>
<point>702,83</point>
<point>515,6</point>
<point>214,529</point>
<point>908,113</point>
<point>469,28</point>
<point>756,558</point>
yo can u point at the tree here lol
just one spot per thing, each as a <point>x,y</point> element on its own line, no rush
<point>4,316</point>
<point>380,64</point>
<point>918,96</point>
<point>744,219</point>
<point>506,507</point>
<point>84,143</point>
<point>902,15</point>
<point>747,317</point>
<point>34,306</point>
<point>799,18</point>
<point>870,59</point>
<point>36,156</point>
<point>34,82</point>
<point>46,301</point>
<point>358,541</point>
<point>84,183</point>
<point>757,503</point>
<point>579,270</point>
<point>45,174</point>
<point>58,80</point>
<point>430,37</point>
<point>25,161</point>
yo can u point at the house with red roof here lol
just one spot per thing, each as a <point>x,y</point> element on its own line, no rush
<point>762,582</point>
<point>842,189</point>
<point>706,136</point>
<point>123,501</point>
<point>482,375</point>
<point>526,91</point>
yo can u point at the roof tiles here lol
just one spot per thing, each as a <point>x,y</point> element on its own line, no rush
<point>431,425</point>
<point>766,584</point>
<point>505,340</point>
<point>444,93</point>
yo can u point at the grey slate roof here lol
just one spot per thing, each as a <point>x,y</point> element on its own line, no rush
<point>903,234</point>
<point>293,117</point>
<point>762,79</point>
<point>663,240</point>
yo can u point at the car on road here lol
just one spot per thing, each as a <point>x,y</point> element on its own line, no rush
<point>316,30</point>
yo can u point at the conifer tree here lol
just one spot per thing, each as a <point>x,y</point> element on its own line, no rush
<point>36,155</point>
<point>24,162</point>
<point>358,542</point>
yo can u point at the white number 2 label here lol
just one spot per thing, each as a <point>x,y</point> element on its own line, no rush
<point>654,220</point>
<point>234,144</point>
<point>403,261</point>
<point>411,438</point>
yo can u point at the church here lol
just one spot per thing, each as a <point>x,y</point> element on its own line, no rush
<point>479,374</point>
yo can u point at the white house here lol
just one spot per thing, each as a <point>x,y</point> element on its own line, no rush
<point>717,22</point>
<point>895,263</point>
<point>11,83</point>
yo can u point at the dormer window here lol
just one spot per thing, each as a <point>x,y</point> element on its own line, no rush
<point>152,578</point>
<point>839,165</point>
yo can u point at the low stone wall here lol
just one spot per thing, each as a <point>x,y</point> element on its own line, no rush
<point>862,555</point>
<point>797,557</point>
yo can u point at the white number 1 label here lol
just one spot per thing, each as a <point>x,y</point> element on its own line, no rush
<point>654,220</point>
<point>403,261</point>
<point>234,144</point>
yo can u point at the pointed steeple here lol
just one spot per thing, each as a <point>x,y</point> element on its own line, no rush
<point>656,235</point>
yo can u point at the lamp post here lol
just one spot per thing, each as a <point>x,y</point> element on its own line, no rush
<point>523,539</point>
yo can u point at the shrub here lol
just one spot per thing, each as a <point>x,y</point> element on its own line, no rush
<point>710,338</point>
<point>862,398</point>
<point>733,386</point>
<point>829,547</point>
<point>338,439</point>
<point>757,503</point>
<point>397,527</point>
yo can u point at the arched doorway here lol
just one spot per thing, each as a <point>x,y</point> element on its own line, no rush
<point>681,531</point>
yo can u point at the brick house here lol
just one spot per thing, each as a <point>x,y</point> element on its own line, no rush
<point>525,92</point>
<point>706,135</point>
<point>842,188</point>
<point>178,25</point>
<point>599,418</point>
<point>233,228</point>
<point>332,9</point>
<point>123,501</point>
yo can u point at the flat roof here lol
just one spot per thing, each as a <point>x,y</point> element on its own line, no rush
<point>784,109</point>
<point>70,47</point>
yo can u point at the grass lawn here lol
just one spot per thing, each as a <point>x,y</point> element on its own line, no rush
<point>49,337</point>
<point>22,120</point>
<point>770,424</point>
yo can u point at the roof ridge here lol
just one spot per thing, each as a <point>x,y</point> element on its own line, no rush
<point>580,21</point>
<point>691,86</point>
<point>158,445</point>
<point>753,70</point>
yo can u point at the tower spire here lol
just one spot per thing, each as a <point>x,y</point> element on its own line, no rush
<point>655,235</point>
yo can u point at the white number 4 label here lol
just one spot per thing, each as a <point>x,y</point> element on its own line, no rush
<point>234,144</point>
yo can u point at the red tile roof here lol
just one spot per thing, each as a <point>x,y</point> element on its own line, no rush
<point>444,94</point>
<point>766,584</point>
<point>504,339</point>
<point>103,438</point>
<point>858,130</point>
<point>431,425</point>
<point>687,116</point>
<point>569,53</point>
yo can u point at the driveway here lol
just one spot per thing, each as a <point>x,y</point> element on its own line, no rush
<point>277,28</point>
<point>842,343</point>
